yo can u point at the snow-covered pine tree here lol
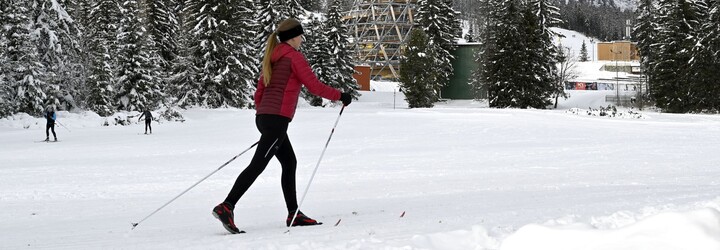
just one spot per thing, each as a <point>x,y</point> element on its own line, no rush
<point>101,32</point>
<point>6,106</point>
<point>486,17</point>
<point>437,19</point>
<point>470,35</point>
<point>541,53</point>
<point>706,60</point>
<point>645,33</point>
<point>162,27</point>
<point>528,84</point>
<point>342,66</point>
<point>58,45</point>
<point>213,43</point>
<point>416,81</point>
<point>711,43</point>
<point>502,57</point>
<point>271,12</point>
<point>317,52</point>
<point>23,71</point>
<point>267,15</point>
<point>138,84</point>
<point>290,8</point>
<point>311,5</point>
<point>183,87</point>
<point>583,52</point>
<point>244,58</point>
<point>671,86</point>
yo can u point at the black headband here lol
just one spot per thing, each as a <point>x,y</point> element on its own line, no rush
<point>291,33</point>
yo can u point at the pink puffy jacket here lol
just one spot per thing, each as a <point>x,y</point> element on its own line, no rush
<point>290,71</point>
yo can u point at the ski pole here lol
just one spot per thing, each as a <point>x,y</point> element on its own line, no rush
<point>186,190</point>
<point>316,168</point>
<point>63,126</point>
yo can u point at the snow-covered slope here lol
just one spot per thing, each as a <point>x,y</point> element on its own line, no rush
<point>573,40</point>
<point>463,176</point>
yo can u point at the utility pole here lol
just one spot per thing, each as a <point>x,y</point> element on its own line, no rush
<point>592,44</point>
<point>617,76</point>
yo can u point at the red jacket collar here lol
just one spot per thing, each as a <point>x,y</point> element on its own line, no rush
<point>280,51</point>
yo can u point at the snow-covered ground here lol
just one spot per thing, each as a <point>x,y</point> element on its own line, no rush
<point>463,175</point>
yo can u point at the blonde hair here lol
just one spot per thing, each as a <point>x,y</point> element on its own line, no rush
<point>272,42</point>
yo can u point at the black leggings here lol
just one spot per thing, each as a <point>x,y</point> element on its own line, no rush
<point>48,127</point>
<point>273,142</point>
<point>147,125</point>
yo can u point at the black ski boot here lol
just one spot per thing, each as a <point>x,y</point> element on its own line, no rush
<point>300,220</point>
<point>224,213</point>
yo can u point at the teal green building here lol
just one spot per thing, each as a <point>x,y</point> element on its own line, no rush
<point>463,66</point>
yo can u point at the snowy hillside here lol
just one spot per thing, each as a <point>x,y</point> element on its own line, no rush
<point>573,41</point>
<point>458,176</point>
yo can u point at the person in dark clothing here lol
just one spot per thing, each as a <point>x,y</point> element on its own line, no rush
<point>284,72</point>
<point>148,119</point>
<point>50,125</point>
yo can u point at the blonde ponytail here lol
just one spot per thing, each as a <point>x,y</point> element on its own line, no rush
<point>266,63</point>
<point>295,29</point>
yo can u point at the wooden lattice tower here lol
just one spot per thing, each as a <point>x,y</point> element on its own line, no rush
<point>379,30</point>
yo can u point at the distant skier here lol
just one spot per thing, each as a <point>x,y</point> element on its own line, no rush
<point>50,125</point>
<point>285,71</point>
<point>148,119</point>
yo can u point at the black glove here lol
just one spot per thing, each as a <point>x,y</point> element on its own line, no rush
<point>345,98</point>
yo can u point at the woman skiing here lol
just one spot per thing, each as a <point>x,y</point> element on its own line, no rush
<point>148,119</point>
<point>284,72</point>
<point>50,117</point>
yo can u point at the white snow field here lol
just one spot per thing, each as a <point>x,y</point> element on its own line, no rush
<point>464,176</point>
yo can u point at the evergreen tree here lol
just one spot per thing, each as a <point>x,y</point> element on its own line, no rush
<point>594,18</point>
<point>162,26</point>
<point>671,86</point>
<point>338,39</point>
<point>183,88</point>
<point>6,107</point>
<point>502,56</point>
<point>470,35</point>
<point>645,32</point>
<point>290,9</point>
<point>138,84</point>
<point>243,60</point>
<point>534,80</point>
<point>583,52</point>
<point>706,61</point>
<point>213,47</point>
<point>486,17</point>
<point>540,16</point>
<point>437,19</point>
<point>58,49</point>
<point>317,51</point>
<point>416,81</point>
<point>23,71</point>
<point>271,12</point>
<point>312,5</point>
<point>103,18</point>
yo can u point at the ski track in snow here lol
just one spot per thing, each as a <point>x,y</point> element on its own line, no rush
<point>467,177</point>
